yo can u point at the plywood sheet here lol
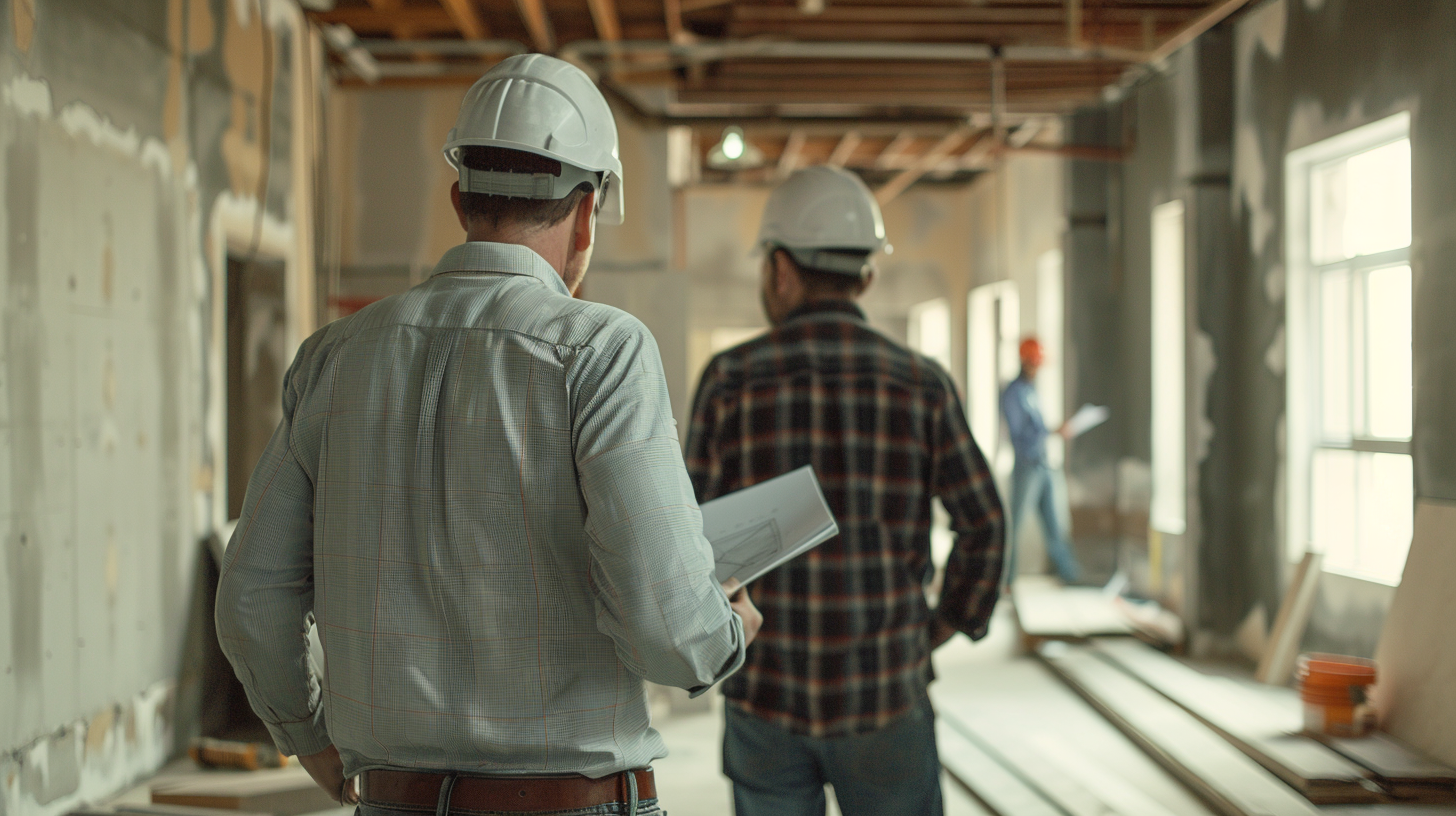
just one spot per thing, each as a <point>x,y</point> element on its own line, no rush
<point>1416,691</point>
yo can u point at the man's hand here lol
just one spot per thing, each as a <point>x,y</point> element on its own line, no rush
<point>940,632</point>
<point>742,604</point>
<point>327,769</point>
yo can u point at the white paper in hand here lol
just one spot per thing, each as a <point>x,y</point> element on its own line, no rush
<point>1087,417</point>
<point>758,528</point>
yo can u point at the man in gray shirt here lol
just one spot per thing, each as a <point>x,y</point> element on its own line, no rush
<point>477,493</point>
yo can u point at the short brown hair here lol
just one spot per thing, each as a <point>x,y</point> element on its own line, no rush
<point>498,209</point>
<point>824,284</point>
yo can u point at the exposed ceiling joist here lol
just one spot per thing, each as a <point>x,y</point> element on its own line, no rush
<point>672,17</point>
<point>925,163</point>
<point>846,147</point>
<point>467,18</point>
<point>789,159</point>
<point>533,14</point>
<point>896,146</point>
<point>1204,22</point>
<point>604,16</point>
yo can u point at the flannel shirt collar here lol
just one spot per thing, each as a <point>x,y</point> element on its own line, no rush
<point>846,308</point>
<point>505,259</point>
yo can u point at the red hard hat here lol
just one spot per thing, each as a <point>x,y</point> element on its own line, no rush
<point>1031,351</point>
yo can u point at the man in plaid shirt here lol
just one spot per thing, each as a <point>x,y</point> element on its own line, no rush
<point>834,689</point>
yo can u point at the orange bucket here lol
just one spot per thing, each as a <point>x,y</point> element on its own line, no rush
<point>1332,688</point>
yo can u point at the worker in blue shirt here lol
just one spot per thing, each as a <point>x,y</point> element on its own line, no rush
<point>1031,477</point>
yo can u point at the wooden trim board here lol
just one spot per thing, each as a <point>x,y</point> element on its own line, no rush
<point>1277,662</point>
<point>1251,723</point>
<point>284,792</point>
<point>1228,780</point>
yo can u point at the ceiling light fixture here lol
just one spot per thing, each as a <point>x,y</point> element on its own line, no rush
<point>734,152</point>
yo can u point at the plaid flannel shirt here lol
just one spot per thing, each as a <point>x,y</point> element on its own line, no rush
<point>844,647</point>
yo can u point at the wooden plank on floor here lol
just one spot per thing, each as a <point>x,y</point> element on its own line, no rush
<point>1045,609</point>
<point>1023,717</point>
<point>1250,723</point>
<point>1227,779</point>
<point>284,791</point>
<point>988,780</point>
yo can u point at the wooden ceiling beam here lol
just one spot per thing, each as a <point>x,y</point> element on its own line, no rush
<point>605,18</point>
<point>467,18</point>
<point>897,145</point>
<point>846,147</point>
<point>789,159</point>
<point>927,161</point>
<point>1210,18</point>
<point>533,14</point>
<point>672,15</point>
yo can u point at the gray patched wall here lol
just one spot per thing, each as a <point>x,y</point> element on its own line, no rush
<point>134,140</point>
<point>1213,127</point>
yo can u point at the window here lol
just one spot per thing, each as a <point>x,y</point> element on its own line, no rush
<point>1352,492</point>
<point>1168,512</point>
<point>929,330</point>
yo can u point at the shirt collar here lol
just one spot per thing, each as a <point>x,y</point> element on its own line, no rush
<point>841,307</point>
<point>504,259</point>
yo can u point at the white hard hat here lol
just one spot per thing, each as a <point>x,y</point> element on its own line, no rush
<point>549,107</point>
<point>826,218</point>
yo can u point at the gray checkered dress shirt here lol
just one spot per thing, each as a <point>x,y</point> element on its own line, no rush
<point>477,491</point>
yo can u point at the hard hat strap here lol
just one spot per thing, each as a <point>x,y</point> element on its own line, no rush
<point>527,185</point>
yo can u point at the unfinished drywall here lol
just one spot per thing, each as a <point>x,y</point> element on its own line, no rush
<point>1213,126</point>
<point>1305,73</point>
<point>136,140</point>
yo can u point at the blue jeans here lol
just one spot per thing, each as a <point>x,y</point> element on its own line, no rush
<point>1031,483</point>
<point>891,772</point>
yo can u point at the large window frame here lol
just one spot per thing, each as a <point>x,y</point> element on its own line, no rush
<point>1318,289</point>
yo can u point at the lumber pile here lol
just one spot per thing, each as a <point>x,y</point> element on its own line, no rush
<point>1023,744</point>
<point>1170,708</point>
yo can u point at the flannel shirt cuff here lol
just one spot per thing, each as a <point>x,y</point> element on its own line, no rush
<point>733,664</point>
<point>303,737</point>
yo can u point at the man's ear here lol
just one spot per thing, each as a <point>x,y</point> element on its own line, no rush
<point>864,282</point>
<point>584,232</point>
<point>459,211</point>
<point>786,276</point>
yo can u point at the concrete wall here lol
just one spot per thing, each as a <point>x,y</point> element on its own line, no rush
<point>138,139</point>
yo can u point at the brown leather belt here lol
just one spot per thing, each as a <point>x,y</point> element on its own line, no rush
<point>414,790</point>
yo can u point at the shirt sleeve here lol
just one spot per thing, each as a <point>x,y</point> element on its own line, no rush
<point>1024,424</point>
<point>652,569</point>
<point>265,594</point>
<point>964,484</point>
<point>704,467</point>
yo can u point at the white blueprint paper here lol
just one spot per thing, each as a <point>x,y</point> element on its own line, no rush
<point>757,528</point>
